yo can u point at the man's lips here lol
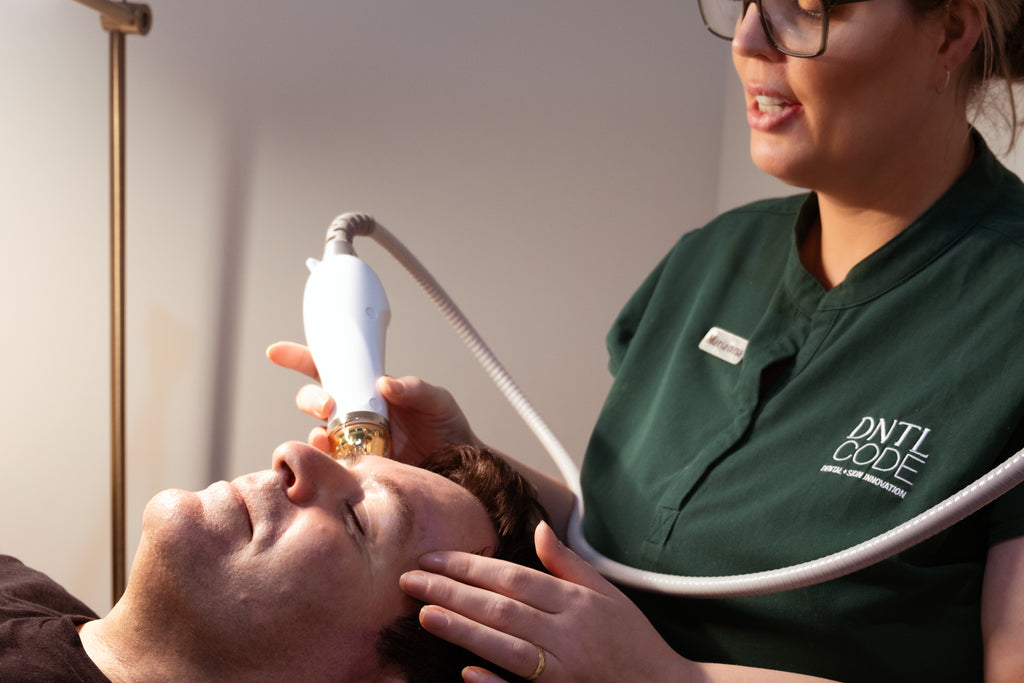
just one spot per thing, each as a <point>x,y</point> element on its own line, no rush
<point>240,496</point>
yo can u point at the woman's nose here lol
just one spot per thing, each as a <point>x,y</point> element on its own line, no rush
<point>305,471</point>
<point>750,37</point>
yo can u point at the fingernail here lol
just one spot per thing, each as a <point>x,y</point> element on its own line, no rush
<point>433,619</point>
<point>314,396</point>
<point>543,528</point>
<point>413,583</point>
<point>432,561</point>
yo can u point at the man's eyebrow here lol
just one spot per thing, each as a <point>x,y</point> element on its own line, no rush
<point>406,512</point>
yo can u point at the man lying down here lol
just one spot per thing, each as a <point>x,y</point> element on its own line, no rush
<point>289,574</point>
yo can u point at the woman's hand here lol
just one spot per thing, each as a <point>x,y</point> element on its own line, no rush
<point>311,399</point>
<point>504,612</point>
<point>423,417</point>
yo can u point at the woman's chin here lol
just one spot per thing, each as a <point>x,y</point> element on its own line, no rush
<point>781,163</point>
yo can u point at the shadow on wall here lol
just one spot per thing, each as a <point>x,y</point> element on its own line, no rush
<point>230,276</point>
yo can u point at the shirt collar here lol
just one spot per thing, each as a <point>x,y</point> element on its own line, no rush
<point>957,212</point>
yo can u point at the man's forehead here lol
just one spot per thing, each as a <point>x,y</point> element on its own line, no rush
<point>400,502</point>
<point>430,504</point>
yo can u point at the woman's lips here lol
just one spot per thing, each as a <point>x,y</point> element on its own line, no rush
<point>769,111</point>
<point>768,105</point>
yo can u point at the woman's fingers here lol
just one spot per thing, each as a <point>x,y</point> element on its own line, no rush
<point>423,418</point>
<point>567,565</point>
<point>517,655</point>
<point>504,612</point>
<point>474,674</point>
<point>493,610</point>
<point>293,356</point>
<point>476,586</point>
<point>319,440</point>
<point>314,401</point>
<point>501,611</point>
<point>543,592</point>
<point>413,391</point>
<point>420,401</point>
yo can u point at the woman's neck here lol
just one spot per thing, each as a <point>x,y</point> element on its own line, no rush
<point>856,221</point>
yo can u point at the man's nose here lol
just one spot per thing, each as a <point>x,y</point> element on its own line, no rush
<point>306,471</point>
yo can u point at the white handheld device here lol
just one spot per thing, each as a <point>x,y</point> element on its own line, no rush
<point>346,315</point>
<point>955,508</point>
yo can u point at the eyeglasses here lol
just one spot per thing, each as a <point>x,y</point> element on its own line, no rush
<point>798,28</point>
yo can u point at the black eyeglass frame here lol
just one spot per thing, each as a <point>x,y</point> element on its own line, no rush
<point>826,5</point>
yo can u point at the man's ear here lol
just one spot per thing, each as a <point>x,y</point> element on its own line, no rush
<point>962,21</point>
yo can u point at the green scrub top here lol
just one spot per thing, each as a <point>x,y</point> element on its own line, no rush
<point>757,420</point>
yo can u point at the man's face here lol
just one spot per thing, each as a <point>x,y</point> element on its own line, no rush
<point>304,557</point>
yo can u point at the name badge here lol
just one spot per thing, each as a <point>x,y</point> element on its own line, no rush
<point>724,345</point>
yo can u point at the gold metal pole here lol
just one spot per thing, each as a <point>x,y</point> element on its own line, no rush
<point>118,18</point>
<point>117,404</point>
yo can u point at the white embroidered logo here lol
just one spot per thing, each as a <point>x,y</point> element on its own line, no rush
<point>886,453</point>
<point>724,345</point>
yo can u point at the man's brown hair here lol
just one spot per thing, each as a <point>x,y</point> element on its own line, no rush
<point>512,506</point>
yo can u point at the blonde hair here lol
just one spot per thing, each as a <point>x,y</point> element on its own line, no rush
<point>997,57</point>
<point>1001,58</point>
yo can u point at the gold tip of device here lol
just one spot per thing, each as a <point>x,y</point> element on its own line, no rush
<point>355,439</point>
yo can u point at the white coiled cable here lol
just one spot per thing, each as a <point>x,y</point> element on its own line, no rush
<point>941,516</point>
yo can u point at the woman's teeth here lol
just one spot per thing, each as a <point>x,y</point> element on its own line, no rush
<point>769,105</point>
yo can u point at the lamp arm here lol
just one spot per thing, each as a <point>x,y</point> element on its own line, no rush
<point>123,17</point>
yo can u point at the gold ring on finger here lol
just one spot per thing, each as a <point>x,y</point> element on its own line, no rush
<point>542,661</point>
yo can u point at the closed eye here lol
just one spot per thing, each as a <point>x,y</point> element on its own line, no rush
<point>355,518</point>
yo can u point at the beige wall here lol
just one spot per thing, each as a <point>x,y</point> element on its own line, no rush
<point>538,157</point>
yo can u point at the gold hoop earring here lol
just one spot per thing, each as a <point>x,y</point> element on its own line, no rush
<point>945,84</point>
